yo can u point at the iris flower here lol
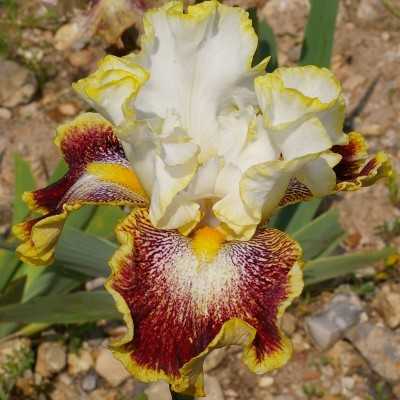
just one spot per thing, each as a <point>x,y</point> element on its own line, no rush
<point>204,147</point>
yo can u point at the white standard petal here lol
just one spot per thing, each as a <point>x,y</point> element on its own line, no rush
<point>108,90</point>
<point>231,209</point>
<point>169,181</point>
<point>264,185</point>
<point>203,183</point>
<point>289,94</point>
<point>184,210</point>
<point>298,140</point>
<point>195,60</point>
<point>244,143</point>
<point>318,176</point>
<point>141,148</point>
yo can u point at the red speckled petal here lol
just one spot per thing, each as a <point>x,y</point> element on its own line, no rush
<point>357,169</point>
<point>178,306</point>
<point>98,174</point>
<point>295,193</point>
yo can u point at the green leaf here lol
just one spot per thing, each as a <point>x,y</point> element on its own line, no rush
<point>30,272</point>
<point>319,33</point>
<point>334,247</point>
<point>283,217</point>
<point>104,221</point>
<point>266,41</point>
<point>80,218</point>
<point>59,172</point>
<point>318,235</point>
<point>7,328</point>
<point>72,308</point>
<point>14,292</point>
<point>326,268</point>
<point>84,253</point>
<point>54,280</point>
<point>8,266</point>
<point>27,330</point>
<point>24,182</point>
<point>141,397</point>
<point>304,214</point>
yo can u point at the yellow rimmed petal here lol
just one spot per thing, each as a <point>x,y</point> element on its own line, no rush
<point>290,95</point>
<point>352,166</point>
<point>169,181</point>
<point>197,60</point>
<point>110,89</point>
<point>357,168</point>
<point>180,303</point>
<point>301,139</point>
<point>264,185</point>
<point>98,174</point>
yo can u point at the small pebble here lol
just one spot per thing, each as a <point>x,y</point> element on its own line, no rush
<point>89,382</point>
<point>5,113</point>
<point>266,381</point>
<point>68,109</point>
<point>81,58</point>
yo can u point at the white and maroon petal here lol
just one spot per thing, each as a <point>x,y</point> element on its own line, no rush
<point>181,297</point>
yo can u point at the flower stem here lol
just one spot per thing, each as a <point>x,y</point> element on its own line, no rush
<point>179,396</point>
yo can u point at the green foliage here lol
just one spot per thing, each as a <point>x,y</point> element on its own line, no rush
<point>24,181</point>
<point>325,268</point>
<point>84,253</point>
<point>319,34</point>
<point>141,397</point>
<point>316,236</point>
<point>79,307</point>
<point>267,46</point>
<point>389,230</point>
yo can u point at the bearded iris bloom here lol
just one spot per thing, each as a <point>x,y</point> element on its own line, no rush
<point>204,147</point>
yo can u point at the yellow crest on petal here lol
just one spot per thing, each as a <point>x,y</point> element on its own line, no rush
<point>206,243</point>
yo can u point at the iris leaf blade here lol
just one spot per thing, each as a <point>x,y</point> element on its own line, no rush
<point>267,45</point>
<point>8,266</point>
<point>79,307</point>
<point>325,268</point>
<point>319,33</point>
<point>84,253</point>
<point>24,182</point>
<point>304,214</point>
<point>318,235</point>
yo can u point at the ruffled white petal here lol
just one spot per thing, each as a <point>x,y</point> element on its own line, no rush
<point>194,77</point>
<point>247,143</point>
<point>264,185</point>
<point>169,181</point>
<point>291,94</point>
<point>318,176</point>
<point>203,183</point>
<point>301,139</point>
<point>109,89</point>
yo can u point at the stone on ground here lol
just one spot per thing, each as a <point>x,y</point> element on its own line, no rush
<point>51,358</point>
<point>109,368</point>
<point>17,84</point>
<point>332,323</point>
<point>380,347</point>
<point>387,303</point>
